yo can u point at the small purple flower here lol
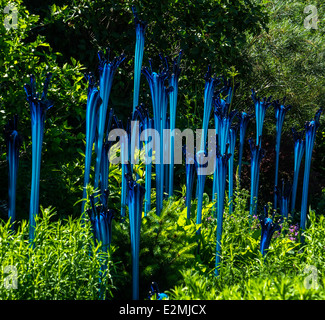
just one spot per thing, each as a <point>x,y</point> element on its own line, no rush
<point>276,234</point>
<point>210,219</point>
<point>293,232</point>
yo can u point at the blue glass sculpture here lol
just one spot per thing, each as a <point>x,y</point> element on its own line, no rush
<point>107,70</point>
<point>269,226</point>
<point>38,108</point>
<point>257,154</point>
<point>173,82</point>
<point>283,197</point>
<point>13,143</point>
<point>232,144</point>
<point>311,129</point>
<point>210,85</point>
<point>190,173</point>
<point>223,121</point>
<point>221,168</point>
<point>93,102</point>
<point>299,150</point>
<point>154,291</point>
<point>260,110</point>
<point>159,96</point>
<point>101,219</point>
<point>244,118</point>
<point>280,112</point>
<point>135,198</point>
<point>201,177</point>
<point>140,27</point>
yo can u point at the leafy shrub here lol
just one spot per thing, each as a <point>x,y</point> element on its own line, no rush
<point>245,274</point>
<point>63,264</point>
<point>167,245</point>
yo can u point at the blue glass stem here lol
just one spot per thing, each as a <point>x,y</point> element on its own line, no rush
<point>37,141</point>
<point>13,142</point>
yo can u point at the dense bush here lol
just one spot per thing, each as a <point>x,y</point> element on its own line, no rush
<point>287,60</point>
<point>63,264</point>
<point>284,273</point>
<point>183,263</point>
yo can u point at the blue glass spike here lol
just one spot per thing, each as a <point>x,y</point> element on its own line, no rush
<point>299,150</point>
<point>269,226</point>
<point>311,129</point>
<point>260,110</point>
<point>280,112</point>
<point>38,108</point>
<point>13,143</point>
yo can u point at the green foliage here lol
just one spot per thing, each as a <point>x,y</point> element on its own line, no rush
<point>315,241</point>
<point>209,29</point>
<point>23,54</point>
<point>182,262</point>
<point>64,264</point>
<point>277,287</point>
<point>245,274</point>
<point>288,60</point>
<point>167,245</point>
